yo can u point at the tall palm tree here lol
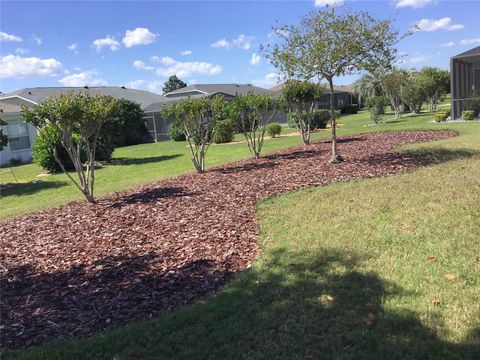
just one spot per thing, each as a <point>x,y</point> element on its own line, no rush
<point>369,85</point>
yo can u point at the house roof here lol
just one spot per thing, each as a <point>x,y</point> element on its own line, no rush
<point>9,108</point>
<point>472,52</point>
<point>39,94</point>
<point>228,89</point>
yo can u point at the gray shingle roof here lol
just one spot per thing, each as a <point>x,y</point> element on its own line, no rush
<point>472,52</point>
<point>39,94</point>
<point>229,89</point>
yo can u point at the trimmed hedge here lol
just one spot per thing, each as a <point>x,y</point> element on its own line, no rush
<point>350,109</point>
<point>468,115</point>
<point>440,116</point>
<point>274,129</point>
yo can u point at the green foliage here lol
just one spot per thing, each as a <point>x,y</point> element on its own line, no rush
<point>392,84</point>
<point>468,115</point>
<point>274,129</point>
<point>413,91</point>
<point>251,113</point>
<point>321,118</point>
<point>77,119</point>
<point>300,98</point>
<point>441,116</point>
<point>223,132</point>
<point>376,106</point>
<point>175,132</point>
<point>173,83</point>
<point>125,128</point>
<point>42,151</point>
<point>3,138</point>
<point>436,83</point>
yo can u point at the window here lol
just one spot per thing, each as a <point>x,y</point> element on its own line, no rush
<point>17,132</point>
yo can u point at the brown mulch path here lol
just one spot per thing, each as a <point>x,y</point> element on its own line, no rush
<point>77,269</point>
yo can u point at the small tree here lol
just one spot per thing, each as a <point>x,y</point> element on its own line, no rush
<point>252,113</point>
<point>327,44</point>
<point>197,117</point>
<point>3,137</point>
<point>71,114</point>
<point>413,92</point>
<point>173,83</point>
<point>436,84</point>
<point>376,105</point>
<point>301,98</point>
<point>392,85</point>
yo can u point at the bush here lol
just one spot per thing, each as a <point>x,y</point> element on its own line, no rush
<point>440,116</point>
<point>42,152</point>
<point>175,132</point>
<point>223,132</point>
<point>350,109</point>
<point>468,115</point>
<point>320,119</point>
<point>376,107</point>
<point>274,129</point>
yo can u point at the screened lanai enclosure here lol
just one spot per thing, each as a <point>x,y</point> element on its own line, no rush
<point>465,82</point>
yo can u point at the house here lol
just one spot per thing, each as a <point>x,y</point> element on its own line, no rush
<point>157,126</point>
<point>465,82</point>
<point>23,135</point>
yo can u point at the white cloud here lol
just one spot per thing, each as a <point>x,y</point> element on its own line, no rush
<point>414,3</point>
<point>73,47</point>
<point>255,60</point>
<point>108,41</point>
<point>139,64</point>
<point>21,51</point>
<point>418,59</point>
<point>186,52</point>
<point>334,3</point>
<point>184,69</point>
<point>448,44</point>
<point>192,82</point>
<point>268,80</point>
<point>21,67</point>
<point>139,36</point>
<point>156,86</point>
<point>9,37</point>
<point>135,84</point>
<point>37,39</point>
<point>434,25</point>
<point>242,41</point>
<point>470,41</point>
<point>89,77</point>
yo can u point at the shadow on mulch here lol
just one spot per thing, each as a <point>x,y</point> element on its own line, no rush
<point>138,161</point>
<point>29,188</point>
<point>86,298</point>
<point>260,165</point>
<point>149,195</point>
<point>294,155</point>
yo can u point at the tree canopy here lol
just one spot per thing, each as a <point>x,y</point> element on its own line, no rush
<point>173,83</point>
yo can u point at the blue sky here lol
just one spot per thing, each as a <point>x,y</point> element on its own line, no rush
<point>139,44</point>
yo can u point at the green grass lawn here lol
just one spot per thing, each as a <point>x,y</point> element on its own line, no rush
<point>383,268</point>
<point>146,163</point>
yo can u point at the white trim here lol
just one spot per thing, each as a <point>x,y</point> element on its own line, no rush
<point>175,92</point>
<point>20,97</point>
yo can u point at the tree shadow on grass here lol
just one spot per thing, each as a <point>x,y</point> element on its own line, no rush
<point>19,189</point>
<point>139,161</point>
<point>297,306</point>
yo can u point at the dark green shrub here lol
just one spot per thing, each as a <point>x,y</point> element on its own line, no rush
<point>176,133</point>
<point>468,115</point>
<point>223,132</point>
<point>42,152</point>
<point>350,109</point>
<point>292,120</point>
<point>320,119</point>
<point>376,107</point>
<point>126,127</point>
<point>274,129</point>
<point>440,116</point>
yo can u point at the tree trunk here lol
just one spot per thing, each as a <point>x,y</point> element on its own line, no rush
<point>336,158</point>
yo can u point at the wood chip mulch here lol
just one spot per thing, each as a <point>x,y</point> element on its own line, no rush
<point>77,269</point>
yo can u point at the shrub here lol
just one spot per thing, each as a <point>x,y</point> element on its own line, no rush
<point>274,129</point>
<point>468,115</point>
<point>320,119</point>
<point>440,116</point>
<point>175,132</point>
<point>376,106</point>
<point>223,132</point>
<point>350,109</point>
<point>42,152</point>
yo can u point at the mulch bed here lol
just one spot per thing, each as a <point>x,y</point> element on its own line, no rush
<point>77,269</point>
